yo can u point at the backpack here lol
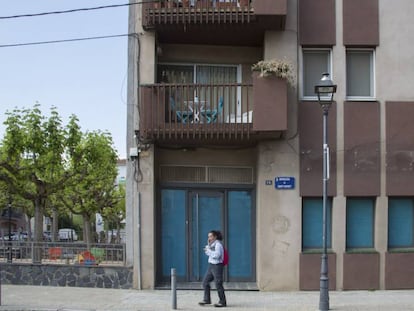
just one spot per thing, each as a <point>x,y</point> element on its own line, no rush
<point>225,257</point>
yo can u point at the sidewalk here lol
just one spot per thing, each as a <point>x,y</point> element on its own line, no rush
<point>48,298</point>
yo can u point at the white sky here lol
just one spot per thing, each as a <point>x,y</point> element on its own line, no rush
<point>85,78</point>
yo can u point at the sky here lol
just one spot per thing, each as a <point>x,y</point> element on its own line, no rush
<point>85,78</point>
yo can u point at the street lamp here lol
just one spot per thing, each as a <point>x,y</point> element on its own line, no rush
<point>10,255</point>
<point>325,90</point>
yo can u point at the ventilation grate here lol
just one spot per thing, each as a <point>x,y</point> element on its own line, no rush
<point>231,175</point>
<point>171,173</point>
<point>207,174</point>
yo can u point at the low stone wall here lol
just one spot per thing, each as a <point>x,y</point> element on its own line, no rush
<point>67,275</point>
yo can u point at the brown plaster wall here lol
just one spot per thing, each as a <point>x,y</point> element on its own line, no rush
<point>361,271</point>
<point>399,270</point>
<point>400,148</point>
<point>310,269</point>
<point>270,103</point>
<point>361,22</point>
<point>310,144</point>
<point>362,149</point>
<point>317,22</point>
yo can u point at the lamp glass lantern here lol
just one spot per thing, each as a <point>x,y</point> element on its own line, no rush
<point>325,91</point>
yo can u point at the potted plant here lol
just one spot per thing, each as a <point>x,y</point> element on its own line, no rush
<point>270,80</point>
<point>277,68</point>
<point>170,4</point>
<point>244,3</point>
<point>226,4</point>
<point>158,4</point>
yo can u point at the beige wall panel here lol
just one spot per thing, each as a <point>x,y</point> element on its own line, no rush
<point>208,157</point>
<point>147,57</point>
<point>278,219</point>
<point>209,54</point>
<point>394,55</point>
<point>147,189</point>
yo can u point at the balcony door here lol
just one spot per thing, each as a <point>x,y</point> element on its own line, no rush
<point>203,77</point>
<point>186,218</point>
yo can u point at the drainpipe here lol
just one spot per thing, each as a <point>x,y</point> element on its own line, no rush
<point>139,242</point>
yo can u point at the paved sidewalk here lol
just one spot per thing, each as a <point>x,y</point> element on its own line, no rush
<point>48,298</point>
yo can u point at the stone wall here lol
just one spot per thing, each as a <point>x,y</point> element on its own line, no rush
<point>67,275</point>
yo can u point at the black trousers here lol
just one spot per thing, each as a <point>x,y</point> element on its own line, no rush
<point>214,272</point>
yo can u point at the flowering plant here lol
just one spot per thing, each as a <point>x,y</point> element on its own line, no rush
<point>279,68</point>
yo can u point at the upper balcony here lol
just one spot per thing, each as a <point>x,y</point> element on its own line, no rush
<point>233,22</point>
<point>219,114</point>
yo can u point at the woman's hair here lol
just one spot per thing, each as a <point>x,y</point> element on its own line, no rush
<point>217,234</point>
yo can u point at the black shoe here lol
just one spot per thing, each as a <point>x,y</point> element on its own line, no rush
<point>202,303</point>
<point>220,305</point>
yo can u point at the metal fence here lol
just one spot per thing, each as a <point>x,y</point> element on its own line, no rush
<point>62,253</point>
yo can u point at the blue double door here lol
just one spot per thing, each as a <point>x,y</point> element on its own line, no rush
<point>186,218</point>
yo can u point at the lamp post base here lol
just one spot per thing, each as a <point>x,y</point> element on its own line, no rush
<point>324,285</point>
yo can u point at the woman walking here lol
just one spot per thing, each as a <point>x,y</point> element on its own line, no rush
<point>215,252</point>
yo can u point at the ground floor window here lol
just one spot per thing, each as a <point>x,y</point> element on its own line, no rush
<point>360,218</point>
<point>400,223</point>
<point>312,223</point>
<point>186,217</point>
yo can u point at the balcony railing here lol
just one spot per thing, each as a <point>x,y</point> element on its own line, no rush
<point>186,112</point>
<point>182,12</point>
<point>247,16</point>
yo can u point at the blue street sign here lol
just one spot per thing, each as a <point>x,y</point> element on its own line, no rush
<point>285,182</point>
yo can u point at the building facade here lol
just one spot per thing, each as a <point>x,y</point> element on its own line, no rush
<point>214,146</point>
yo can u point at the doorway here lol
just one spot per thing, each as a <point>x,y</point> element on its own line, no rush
<point>187,215</point>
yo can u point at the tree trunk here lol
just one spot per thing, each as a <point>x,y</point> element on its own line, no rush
<point>29,228</point>
<point>87,237</point>
<point>38,230</point>
<point>55,228</point>
<point>118,232</point>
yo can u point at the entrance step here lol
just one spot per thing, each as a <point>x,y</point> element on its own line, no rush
<point>198,285</point>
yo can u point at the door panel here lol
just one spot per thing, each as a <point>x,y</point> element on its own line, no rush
<point>173,233</point>
<point>206,212</point>
<point>239,235</point>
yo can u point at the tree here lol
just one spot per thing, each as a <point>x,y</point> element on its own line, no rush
<point>32,155</point>
<point>93,165</point>
<point>114,213</point>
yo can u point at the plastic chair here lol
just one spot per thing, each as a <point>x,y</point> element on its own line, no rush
<point>211,114</point>
<point>182,115</point>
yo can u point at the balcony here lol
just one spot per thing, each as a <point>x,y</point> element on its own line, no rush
<point>240,22</point>
<point>201,114</point>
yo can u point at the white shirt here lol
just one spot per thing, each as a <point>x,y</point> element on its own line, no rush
<point>215,252</point>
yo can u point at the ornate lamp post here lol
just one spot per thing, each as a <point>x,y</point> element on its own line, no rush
<point>10,255</point>
<point>325,90</point>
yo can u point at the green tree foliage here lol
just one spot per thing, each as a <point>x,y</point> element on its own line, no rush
<point>31,154</point>
<point>93,166</point>
<point>56,168</point>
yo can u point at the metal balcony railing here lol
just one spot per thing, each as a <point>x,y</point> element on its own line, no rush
<point>196,111</point>
<point>197,12</point>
